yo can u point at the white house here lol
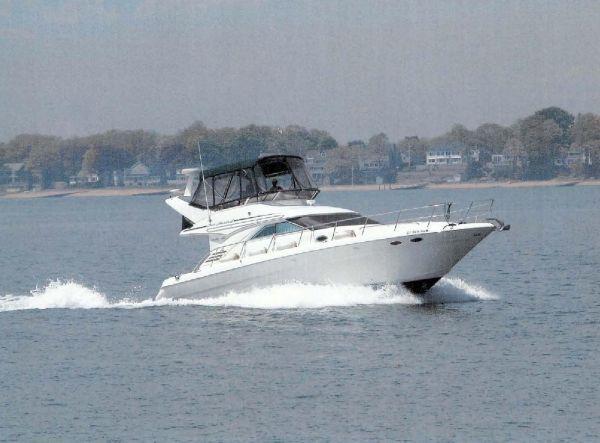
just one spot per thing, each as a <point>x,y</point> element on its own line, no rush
<point>315,162</point>
<point>373,163</point>
<point>501,160</point>
<point>16,172</point>
<point>575,157</point>
<point>444,157</point>
<point>84,178</point>
<point>139,175</point>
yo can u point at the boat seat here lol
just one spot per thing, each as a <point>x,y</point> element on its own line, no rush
<point>288,245</point>
<point>344,234</point>
<point>231,257</point>
<point>253,252</point>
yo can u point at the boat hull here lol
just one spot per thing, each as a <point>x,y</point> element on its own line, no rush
<point>417,261</point>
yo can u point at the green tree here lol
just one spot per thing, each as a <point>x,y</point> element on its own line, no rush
<point>19,148</point>
<point>103,160</point>
<point>250,141</point>
<point>586,137</point>
<point>491,138</point>
<point>461,136</point>
<point>46,163</point>
<point>562,118</point>
<point>342,164</point>
<point>415,149</point>
<point>379,144</point>
<point>541,139</point>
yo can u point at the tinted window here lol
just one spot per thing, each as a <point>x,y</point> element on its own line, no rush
<point>233,191</point>
<point>248,189</point>
<point>300,174</point>
<point>265,232</point>
<point>285,227</point>
<point>279,228</point>
<point>220,184</point>
<point>199,197</point>
<point>326,220</point>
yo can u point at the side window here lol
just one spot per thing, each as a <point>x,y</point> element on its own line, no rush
<point>233,191</point>
<point>221,182</point>
<point>265,232</point>
<point>282,228</point>
<point>248,189</point>
<point>279,228</point>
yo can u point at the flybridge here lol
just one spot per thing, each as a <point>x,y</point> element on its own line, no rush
<point>274,177</point>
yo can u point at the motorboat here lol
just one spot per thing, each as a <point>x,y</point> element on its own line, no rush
<point>409,187</point>
<point>264,227</point>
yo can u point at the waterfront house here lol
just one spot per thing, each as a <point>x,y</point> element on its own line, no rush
<point>139,175</point>
<point>16,177</point>
<point>501,160</point>
<point>84,178</point>
<point>374,168</point>
<point>575,157</point>
<point>443,157</point>
<point>316,164</point>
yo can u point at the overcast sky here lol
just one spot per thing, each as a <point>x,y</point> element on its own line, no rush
<point>353,68</point>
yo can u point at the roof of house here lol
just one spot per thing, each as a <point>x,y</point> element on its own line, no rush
<point>139,169</point>
<point>14,167</point>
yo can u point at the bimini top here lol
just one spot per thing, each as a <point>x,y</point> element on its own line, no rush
<point>274,177</point>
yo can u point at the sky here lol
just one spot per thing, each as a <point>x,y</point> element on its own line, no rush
<point>353,68</point>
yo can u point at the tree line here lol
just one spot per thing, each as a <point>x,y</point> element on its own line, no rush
<point>57,159</point>
<point>534,143</point>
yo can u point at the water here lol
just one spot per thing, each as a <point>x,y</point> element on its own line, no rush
<point>507,351</point>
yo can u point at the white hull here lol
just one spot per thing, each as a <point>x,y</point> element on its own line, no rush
<point>368,260</point>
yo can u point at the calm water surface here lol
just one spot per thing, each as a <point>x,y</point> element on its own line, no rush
<point>510,354</point>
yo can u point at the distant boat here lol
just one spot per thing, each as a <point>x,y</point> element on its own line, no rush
<point>408,187</point>
<point>157,192</point>
<point>571,183</point>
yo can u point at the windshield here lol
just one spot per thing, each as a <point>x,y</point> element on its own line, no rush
<point>329,220</point>
<point>270,178</point>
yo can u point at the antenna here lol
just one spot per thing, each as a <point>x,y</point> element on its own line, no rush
<point>203,181</point>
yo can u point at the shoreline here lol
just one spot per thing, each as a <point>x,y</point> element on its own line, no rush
<point>84,192</point>
<point>465,185</point>
<point>132,192</point>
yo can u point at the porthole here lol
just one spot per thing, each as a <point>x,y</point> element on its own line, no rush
<point>416,239</point>
<point>396,242</point>
<point>321,238</point>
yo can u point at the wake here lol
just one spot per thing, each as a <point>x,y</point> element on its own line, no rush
<point>72,295</point>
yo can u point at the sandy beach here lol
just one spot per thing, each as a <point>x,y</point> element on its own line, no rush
<point>98,192</point>
<point>467,185</point>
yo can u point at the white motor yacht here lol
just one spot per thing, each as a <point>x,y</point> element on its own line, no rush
<point>264,228</point>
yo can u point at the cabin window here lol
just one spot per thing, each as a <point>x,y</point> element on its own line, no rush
<point>322,221</point>
<point>220,185</point>
<point>200,197</point>
<point>299,173</point>
<point>279,228</point>
<point>275,170</point>
<point>286,227</point>
<point>226,188</point>
<point>266,231</point>
<point>247,184</point>
<point>233,190</point>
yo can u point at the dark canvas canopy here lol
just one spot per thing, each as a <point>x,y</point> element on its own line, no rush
<point>268,178</point>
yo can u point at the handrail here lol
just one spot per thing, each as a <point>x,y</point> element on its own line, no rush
<point>447,213</point>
